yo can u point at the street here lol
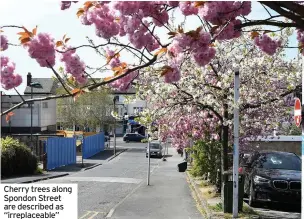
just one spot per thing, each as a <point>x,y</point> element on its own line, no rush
<point>118,189</point>
<point>278,211</point>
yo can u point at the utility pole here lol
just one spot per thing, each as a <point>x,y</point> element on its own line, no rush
<point>114,131</point>
<point>36,85</point>
<point>32,117</point>
<point>29,83</point>
<point>149,164</point>
<point>236,145</point>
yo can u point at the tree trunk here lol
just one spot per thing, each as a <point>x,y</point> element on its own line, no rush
<point>225,148</point>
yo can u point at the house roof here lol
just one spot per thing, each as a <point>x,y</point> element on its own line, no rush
<point>49,86</point>
<point>130,91</point>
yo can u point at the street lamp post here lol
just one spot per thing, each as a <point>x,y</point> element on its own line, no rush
<point>114,131</point>
<point>149,157</point>
<point>31,115</point>
<point>32,85</point>
<point>236,145</point>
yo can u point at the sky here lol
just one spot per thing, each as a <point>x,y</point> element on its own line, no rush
<point>49,18</point>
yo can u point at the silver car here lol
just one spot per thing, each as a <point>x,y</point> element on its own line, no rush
<point>156,149</point>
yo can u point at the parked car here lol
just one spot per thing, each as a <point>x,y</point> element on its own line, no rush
<point>242,160</point>
<point>156,149</point>
<point>272,176</point>
<point>133,137</point>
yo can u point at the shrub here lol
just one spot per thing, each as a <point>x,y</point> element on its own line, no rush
<point>144,140</point>
<point>206,159</point>
<point>16,158</point>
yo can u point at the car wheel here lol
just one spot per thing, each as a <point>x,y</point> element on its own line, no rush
<point>252,201</point>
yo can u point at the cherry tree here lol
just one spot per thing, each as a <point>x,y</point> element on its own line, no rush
<point>138,24</point>
<point>202,100</point>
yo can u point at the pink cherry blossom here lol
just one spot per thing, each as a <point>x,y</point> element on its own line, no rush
<point>8,69</point>
<point>229,32</point>
<point>65,5</point>
<point>300,38</point>
<point>105,24</point>
<point>3,43</point>
<point>3,61</point>
<point>84,19</point>
<point>203,57</point>
<point>17,80</point>
<point>42,48</point>
<point>82,79</point>
<point>9,79</point>
<point>188,8</point>
<point>173,3</point>
<point>123,84</point>
<point>266,44</point>
<point>173,75</point>
<point>73,64</point>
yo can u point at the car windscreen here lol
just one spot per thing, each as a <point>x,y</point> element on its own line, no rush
<point>279,161</point>
<point>154,146</point>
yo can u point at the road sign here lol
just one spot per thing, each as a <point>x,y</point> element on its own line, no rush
<point>297,112</point>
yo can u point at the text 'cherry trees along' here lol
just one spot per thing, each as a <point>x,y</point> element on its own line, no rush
<point>139,22</point>
<point>202,101</point>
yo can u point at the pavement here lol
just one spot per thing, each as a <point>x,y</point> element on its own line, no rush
<point>118,189</point>
<point>31,179</point>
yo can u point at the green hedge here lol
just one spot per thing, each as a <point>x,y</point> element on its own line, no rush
<point>16,158</point>
<point>206,159</point>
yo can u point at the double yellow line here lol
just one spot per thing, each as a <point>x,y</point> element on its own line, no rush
<point>91,214</point>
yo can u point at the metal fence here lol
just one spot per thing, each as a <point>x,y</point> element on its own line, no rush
<point>36,143</point>
<point>60,152</point>
<point>93,145</point>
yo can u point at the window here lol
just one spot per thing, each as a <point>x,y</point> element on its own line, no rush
<point>279,161</point>
<point>45,105</point>
<point>137,109</point>
<point>154,146</point>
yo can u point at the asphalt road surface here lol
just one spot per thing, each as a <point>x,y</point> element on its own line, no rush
<point>282,211</point>
<point>117,189</point>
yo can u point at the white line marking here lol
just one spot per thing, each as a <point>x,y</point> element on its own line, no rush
<point>103,179</point>
<point>83,216</point>
<point>93,215</point>
<point>110,213</point>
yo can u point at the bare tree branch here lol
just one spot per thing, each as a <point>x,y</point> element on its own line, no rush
<point>14,26</point>
<point>251,106</point>
<point>58,77</point>
<point>19,94</point>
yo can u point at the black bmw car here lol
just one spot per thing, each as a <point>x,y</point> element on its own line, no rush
<point>272,176</point>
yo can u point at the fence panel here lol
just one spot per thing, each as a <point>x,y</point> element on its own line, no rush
<point>60,152</point>
<point>92,145</point>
